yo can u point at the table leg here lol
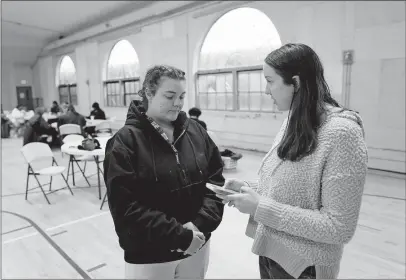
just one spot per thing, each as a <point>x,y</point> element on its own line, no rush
<point>96,158</point>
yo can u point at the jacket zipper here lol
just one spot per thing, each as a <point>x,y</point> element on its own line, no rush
<point>177,154</point>
<point>183,132</point>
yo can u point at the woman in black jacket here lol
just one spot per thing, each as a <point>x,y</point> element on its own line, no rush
<point>156,168</point>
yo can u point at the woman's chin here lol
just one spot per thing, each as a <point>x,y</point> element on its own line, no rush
<point>172,116</point>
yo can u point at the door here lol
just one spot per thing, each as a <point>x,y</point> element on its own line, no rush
<point>24,97</point>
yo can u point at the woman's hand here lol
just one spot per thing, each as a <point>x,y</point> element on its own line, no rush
<point>234,184</point>
<point>246,202</point>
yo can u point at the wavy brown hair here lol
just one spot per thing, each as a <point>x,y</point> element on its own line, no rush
<point>309,100</point>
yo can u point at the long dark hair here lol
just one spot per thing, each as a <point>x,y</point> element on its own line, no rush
<point>308,102</point>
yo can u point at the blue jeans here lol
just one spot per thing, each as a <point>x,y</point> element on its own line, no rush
<point>269,269</point>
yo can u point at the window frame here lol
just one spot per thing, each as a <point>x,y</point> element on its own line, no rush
<point>122,94</point>
<point>69,86</point>
<point>235,91</point>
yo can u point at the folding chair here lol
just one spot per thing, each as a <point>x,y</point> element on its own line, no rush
<point>103,129</point>
<point>37,151</point>
<point>68,129</point>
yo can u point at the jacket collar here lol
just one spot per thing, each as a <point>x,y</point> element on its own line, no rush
<point>136,116</point>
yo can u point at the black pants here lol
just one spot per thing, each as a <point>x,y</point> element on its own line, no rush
<point>269,269</point>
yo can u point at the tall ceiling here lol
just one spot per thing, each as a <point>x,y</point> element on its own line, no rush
<point>28,26</point>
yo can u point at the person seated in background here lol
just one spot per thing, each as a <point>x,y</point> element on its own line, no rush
<point>6,125</point>
<point>36,127</point>
<point>28,115</point>
<point>72,117</point>
<point>194,114</point>
<point>97,113</point>
<point>18,119</point>
<point>64,107</point>
<point>55,109</point>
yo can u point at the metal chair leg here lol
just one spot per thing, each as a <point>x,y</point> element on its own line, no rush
<point>83,173</point>
<point>50,184</point>
<point>67,184</point>
<point>28,179</point>
<point>41,189</point>
<point>67,175</point>
<point>104,200</point>
<point>73,172</point>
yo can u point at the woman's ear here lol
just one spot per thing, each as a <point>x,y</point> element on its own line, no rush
<point>148,95</point>
<point>296,83</point>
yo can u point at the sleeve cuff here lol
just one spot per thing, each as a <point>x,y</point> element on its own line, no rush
<point>253,184</point>
<point>269,213</point>
<point>185,239</point>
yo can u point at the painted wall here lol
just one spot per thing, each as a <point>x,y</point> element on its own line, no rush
<point>12,76</point>
<point>374,30</point>
<point>378,79</point>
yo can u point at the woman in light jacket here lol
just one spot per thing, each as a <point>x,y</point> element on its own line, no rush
<point>305,205</point>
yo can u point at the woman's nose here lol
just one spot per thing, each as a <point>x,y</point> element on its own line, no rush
<point>177,102</point>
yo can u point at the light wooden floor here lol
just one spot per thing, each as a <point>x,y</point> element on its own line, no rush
<point>82,242</point>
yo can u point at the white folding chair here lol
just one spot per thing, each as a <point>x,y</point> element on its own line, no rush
<point>103,129</point>
<point>68,129</point>
<point>40,151</point>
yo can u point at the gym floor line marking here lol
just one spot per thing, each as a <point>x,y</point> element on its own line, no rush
<point>53,244</point>
<point>56,227</point>
<point>96,267</point>
<point>58,233</point>
<point>14,230</point>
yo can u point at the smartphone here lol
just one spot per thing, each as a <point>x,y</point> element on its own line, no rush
<point>220,190</point>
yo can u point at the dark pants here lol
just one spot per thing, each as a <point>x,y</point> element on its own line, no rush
<point>271,270</point>
<point>91,130</point>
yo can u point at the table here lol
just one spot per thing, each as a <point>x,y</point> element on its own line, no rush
<point>90,122</point>
<point>95,122</point>
<point>72,150</point>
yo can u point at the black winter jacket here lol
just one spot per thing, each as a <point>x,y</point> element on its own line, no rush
<point>34,128</point>
<point>151,194</point>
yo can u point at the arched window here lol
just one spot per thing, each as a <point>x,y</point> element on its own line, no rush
<point>123,79</point>
<point>229,73</point>
<point>67,81</point>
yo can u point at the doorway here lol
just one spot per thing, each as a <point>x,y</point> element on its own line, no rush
<point>24,97</point>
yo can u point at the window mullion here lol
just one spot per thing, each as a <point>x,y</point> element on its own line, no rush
<point>235,90</point>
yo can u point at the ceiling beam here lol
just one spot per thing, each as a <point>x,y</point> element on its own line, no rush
<point>116,13</point>
<point>137,19</point>
<point>30,26</point>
